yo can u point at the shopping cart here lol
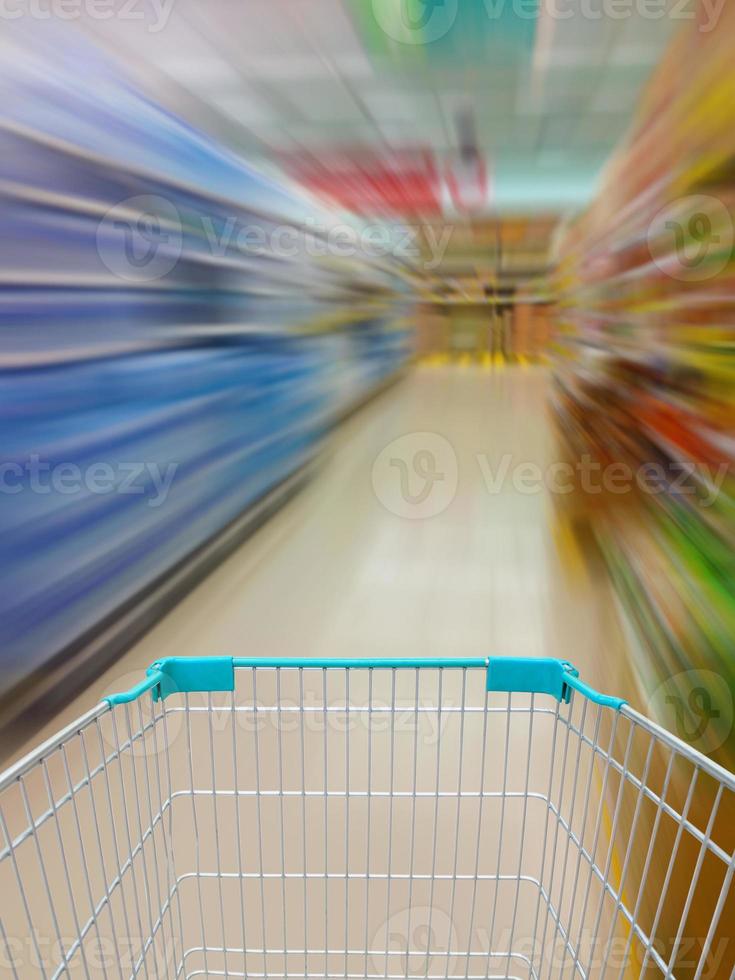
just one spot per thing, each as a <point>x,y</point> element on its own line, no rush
<point>440,818</point>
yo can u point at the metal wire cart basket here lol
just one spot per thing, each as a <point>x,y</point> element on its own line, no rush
<point>436,819</point>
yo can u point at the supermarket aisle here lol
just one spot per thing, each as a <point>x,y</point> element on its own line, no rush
<point>340,571</point>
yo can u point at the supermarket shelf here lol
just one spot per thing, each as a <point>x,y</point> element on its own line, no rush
<point>645,363</point>
<point>26,708</point>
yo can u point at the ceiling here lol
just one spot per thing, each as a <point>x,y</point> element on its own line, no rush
<point>505,111</point>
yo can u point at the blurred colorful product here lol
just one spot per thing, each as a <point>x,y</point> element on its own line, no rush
<point>645,372</point>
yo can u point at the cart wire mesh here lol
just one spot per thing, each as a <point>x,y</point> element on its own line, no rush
<point>366,822</point>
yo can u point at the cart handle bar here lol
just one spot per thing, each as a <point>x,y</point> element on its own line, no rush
<point>534,675</point>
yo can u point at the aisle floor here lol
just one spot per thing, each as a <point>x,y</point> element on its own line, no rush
<point>347,569</point>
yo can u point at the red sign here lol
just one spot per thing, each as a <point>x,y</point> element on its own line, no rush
<point>399,184</point>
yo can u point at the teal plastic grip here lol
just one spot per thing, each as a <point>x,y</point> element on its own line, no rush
<point>179,675</point>
<point>606,700</point>
<point>152,678</point>
<point>533,675</point>
<point>543,675</point>
<point>538,675</point>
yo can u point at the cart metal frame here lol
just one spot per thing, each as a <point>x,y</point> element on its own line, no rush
<point>252,817</point>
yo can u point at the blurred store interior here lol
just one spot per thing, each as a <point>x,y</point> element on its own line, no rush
<point>368,329</point>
